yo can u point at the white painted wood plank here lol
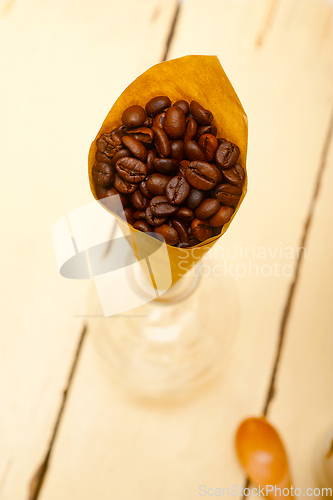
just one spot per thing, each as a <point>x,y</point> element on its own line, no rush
<point>62,64</point>
<point>113,447</point>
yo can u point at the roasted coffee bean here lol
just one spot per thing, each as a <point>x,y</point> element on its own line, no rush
<point>133,116</point>
<point>152,219</point>
<point>121,154</point>
<point>193,152</point>
<point>103,174</point>
<point>131,169</point>
<point>157,105</point>
<point>192,242</point>
<point>207,208</point>
<point>142,225</point>
<point>201,175</point>
<point>177,190</point>
<point>139,200</point>
<point>206,129</point>
<point>157,183</point>
<point>166,166</point>
<point>221,217</point>
<point>148,122</point>
<point>226,155</point>
<point>159,120</point>
<point>119,131</point>
<point>174,123</point>
<point>150,158</point>
<point>200,114</point>
<point>177,150</point>
<point>161,207</point>
<point>234,175</point>
<point>191,129</point>
<point>169,234</point>
<point>127,215</point>
<point>136,147</point>
<point>139,214</point>
<point>208,144</point>
<point>144,190</point>
<point>100,192</point>
<point>102,158</point>
<point>228,195</point>
<point>115,200</point>
<point>182,167</point>
<point>109,144</point>
<point>183,105</point>
<point>142,134</point>
<point>181,229</point>
<point>201,229</point>
<point>162,141</point>
<point>123,186</point>
<point>184,214</point>
<point>194,198</point>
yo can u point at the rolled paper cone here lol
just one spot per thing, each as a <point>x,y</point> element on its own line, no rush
<point>199,78</point>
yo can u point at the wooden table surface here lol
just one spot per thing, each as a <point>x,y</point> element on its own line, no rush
<point>63,65</point>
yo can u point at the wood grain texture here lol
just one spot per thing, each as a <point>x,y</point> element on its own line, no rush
<point>111,446</point>
<point>62,65</point>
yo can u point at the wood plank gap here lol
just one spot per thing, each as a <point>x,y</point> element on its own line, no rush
<point>38,478</point>
<point>172,31</point>
<point>267,24</point>
<point>290,297</point>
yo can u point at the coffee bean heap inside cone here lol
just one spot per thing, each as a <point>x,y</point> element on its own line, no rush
<point>172,175</point>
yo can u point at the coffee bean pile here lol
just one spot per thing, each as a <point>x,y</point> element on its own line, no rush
<point>174,177</point>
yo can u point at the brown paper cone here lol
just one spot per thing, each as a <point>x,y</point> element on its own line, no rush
<point>199,78</point>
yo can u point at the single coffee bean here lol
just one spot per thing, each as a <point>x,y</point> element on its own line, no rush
<point>177,190</point>
<point>115,200</point>
<point>142,225</point>
<point>148,122</point>
<point>177,150</point>
<point>182,167</point>
<point>200,114</point>
<point>157,105</point>
<point>119,131</point>
<point>166,166</point>
<point>152,219</point>
<point>144,190</point>
<point>102,158</point>
<point>139,200</point>
<point>123,186</point>
<point>201,229</point>
<point>207,208</point>
<point>162,141</point>
<point>100,192</point>
<point>136,147</point>
<point>181,229</point>
<point>184,214</point>
<point>161,207</point>
<point>194,198</point>
<point>208,143</point>
<point>206,129</point>
<point>192,242</point>
<point>234,175</point>
<point>159,120</point>
<point>193,152</point>
<point>127,215</point>
<point>133,116</point>
<point>131,169</point>
<point>201,175</point>
<point>183,105</point>
<point>152,154</point>
<point>191,129</point>
<point>142,134</point>
<point>226,155</point>
<point>157,183</point>
<point>221,217</point>
<point>109,144</point>
<point>103,174</point>
<point>121,154</point>
<point>228,195</point>
<point>139,214</point>
<point>169,234</point>
<point>174,123</point>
